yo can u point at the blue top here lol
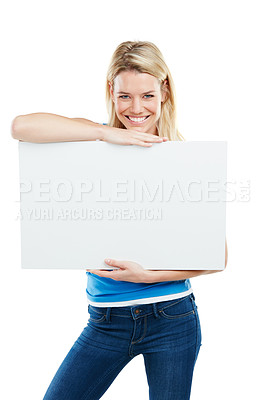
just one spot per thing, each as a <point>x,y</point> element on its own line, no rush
<point>106,292</point>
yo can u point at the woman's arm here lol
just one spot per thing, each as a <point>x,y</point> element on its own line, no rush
<point>133,272</point>
<point>45,127</point>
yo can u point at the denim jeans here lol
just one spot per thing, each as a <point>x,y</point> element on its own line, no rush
<point>167,334</point>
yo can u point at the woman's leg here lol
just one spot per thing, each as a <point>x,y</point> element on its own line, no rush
<point>169,367</point>
<point>169,374</point>
<point>90,367</point>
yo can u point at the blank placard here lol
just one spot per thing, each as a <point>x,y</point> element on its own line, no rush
<point>163,207</point>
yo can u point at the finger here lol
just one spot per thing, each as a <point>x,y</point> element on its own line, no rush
<point>135,141</point>
<point>143,144</point>
<point>95,271</point>
<point>151,138</point>
<point>155,139</point>
<point>139,142</point>
<point>108,274</point>
<point>110,261</point>
<point>100,272</point>
<point>146,136</point>
<point>147,144</point>
<point>114,263</point>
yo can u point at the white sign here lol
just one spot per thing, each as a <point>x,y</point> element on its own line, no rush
<point>163,207</point>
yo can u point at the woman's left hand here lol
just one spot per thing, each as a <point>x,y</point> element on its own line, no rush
<point>128,271</point>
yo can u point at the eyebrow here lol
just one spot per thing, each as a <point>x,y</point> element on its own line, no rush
<point>150,91</point>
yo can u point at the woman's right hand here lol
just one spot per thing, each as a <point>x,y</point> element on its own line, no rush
<point>130,136</point>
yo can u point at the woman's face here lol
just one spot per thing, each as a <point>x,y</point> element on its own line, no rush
<point>137,98</point>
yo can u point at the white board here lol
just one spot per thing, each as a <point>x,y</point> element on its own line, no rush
<point>163,207</point>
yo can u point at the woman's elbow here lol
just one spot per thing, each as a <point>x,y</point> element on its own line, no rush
<point>16,127</point>
<point>226,254</point>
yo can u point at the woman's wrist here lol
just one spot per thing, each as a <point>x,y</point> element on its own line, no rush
<point>152,276</point>
<point>100,132</point>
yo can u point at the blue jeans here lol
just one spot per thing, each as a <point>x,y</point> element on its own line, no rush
<point>166,333</point>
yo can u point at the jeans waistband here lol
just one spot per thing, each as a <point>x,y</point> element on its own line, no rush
<point>139,310</point>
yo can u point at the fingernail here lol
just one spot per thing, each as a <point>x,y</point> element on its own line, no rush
<point>107,260</point>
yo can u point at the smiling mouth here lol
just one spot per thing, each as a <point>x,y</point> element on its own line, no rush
<point>137,119</point>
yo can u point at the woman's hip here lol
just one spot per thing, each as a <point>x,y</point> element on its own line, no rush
<point>150,327</point>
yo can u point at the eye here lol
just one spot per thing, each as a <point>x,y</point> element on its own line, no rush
<point>123,96</point>
<point>149,96</point>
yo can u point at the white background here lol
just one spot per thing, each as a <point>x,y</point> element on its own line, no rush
<point>55,57</point>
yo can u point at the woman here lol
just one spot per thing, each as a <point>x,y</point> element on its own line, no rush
<point>132,311</point>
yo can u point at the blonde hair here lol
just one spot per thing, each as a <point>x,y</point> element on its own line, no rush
<point>144,57</point>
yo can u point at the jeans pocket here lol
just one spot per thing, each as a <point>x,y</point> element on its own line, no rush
<point>178,309</point>
<point>96,316</point>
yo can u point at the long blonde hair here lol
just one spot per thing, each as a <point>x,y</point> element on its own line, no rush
<point>144,57</point>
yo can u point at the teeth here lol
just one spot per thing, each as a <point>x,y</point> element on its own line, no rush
<point>137,119</point>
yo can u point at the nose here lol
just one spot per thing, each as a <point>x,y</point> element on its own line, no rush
<point>136,106</point>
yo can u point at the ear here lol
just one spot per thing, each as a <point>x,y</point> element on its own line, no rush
<point>165,90</point>
<point>111,90</point>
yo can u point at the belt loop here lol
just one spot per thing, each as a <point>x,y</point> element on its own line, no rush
<point>108,312</point>
<point>155,311</point>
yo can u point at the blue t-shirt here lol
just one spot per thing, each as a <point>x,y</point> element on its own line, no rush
<point>106,292</point>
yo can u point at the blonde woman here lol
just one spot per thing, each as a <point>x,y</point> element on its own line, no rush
<point>132,311</point>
